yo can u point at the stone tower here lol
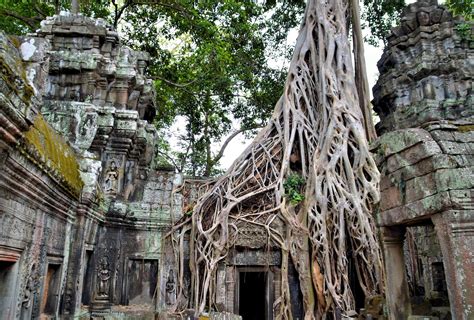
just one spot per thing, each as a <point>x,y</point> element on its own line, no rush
<point>426,155</point>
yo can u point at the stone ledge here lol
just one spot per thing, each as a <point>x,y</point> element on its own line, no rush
<point>415,211</point>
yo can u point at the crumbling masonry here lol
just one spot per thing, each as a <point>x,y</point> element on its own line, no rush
<point>82,209</point>
<point>426,156</point>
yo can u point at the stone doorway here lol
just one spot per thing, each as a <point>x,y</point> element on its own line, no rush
<point>8,277</point>
<point>87,278</point>
<point>50,298</point>
<point>141,282</point>
<point>254,293</point>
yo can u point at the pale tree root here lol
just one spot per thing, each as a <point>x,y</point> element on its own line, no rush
<point>316,132</point>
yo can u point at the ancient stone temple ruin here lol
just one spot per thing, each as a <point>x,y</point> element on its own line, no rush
<point>84,208</point>
<point>426,157</point>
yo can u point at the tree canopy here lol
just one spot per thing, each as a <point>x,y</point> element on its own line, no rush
<point>213,62</point>
<point>209,60</point>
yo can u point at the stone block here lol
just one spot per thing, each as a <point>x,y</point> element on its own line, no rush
<point>423,167</point>
<point>420,187</point>
<point>415,211</point>
<point>462,199</point>
<point>459,178</point>
<point>397,141</point>
<point>221,289</point>
<point>412,155</point>
<point>386,181</point>
<point>390,198</point>
<point>255,258</point>
<point>455,148</point>
<point>467,136</point>
<point>443,135</point>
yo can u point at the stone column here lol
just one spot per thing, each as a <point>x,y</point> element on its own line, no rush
<point>221,288</point>
<point>230,288</point>
<point>398,299</point>
<point>455,231</point>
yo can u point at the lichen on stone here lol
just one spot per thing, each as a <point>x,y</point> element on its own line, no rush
<point>52,151</point>
<point>13,69</point>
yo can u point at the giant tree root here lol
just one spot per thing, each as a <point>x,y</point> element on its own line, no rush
<point>317,132</point>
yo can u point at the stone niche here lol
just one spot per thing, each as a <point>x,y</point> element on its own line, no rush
<point>425,153</point>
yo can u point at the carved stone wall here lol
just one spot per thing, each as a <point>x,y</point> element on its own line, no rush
<point>426,154</point>
<point>39,192</point>
<point>82,208</point>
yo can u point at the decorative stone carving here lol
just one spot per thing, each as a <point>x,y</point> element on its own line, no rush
<point>111,179</point>
<point>103,275</point>
<point>119,209</point>
<point>93,93</point>
<point>425,70</point>
<point>252,237</point>
<point>170,298</point>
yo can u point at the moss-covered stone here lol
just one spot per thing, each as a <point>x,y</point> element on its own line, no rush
<point>13,71</point>
<point>466,128</point>
<point>54,153</point>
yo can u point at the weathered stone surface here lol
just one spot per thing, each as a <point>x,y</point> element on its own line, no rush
<point>425,154</point>
<point>425,71</point>
<point>82,209</point>
<point>224,316</point>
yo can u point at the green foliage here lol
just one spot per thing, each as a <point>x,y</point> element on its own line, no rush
<point>463,8</point>
<point>22,16</point>
<point>379,16</point>
<point>464,30</point>
<point>211,67</point>
<point>293,186</point>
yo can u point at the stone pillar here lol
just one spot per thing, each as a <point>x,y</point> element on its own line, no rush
<point>230,288</point>
<point>121,93</point>
<point>398,299</point>
<point>455,231</point>
<point>221,288</point>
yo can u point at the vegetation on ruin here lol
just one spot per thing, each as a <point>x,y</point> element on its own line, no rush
<point>315,143</point>
<point>293,186</point>
<point>53,154</point>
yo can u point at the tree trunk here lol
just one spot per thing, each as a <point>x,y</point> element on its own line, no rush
<point>316,132</point>
<point>361,72</point>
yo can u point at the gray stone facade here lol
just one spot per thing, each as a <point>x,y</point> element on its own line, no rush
<point>426,154</point>
<point>82,208</point>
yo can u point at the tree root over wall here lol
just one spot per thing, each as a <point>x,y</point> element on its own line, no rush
<point>317,133</point>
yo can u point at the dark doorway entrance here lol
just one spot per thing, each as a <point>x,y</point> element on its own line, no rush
<point>252,295</point>
<point>87,280</point>
<point>8,275</point>
<point>51,290</point>
<point>142,281</point>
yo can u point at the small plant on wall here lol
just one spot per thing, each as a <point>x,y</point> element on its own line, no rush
<point>292,186</point>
